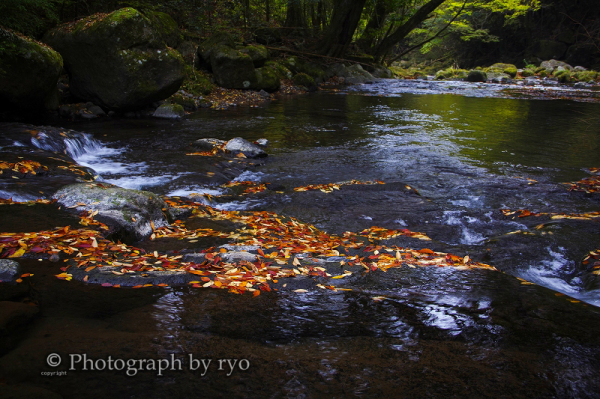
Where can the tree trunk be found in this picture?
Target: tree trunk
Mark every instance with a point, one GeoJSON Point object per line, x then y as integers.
{"type": "Point", "coordinates": [295, 15]}
{"type": "Point", "coordinates": [373, 26]}
{"type": "Point", "coordinates": [389, 42]}
{"type": "Point", "coordinates": [268, 10]}
{"type": "Point", "coordinates": [344, 21]}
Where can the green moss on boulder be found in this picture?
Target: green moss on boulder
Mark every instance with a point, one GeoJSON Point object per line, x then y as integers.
{"type": "Point", "coordinates": [302, 79]}
{"type": "Point", "coordinates": [259, 54]}
{"type": "Point", "coordinates": [29, 72]}
{"type": "Point", "coordinates": [509, 69]}
{"type": "Point", "coordinates": [119, 60]}
{"type": "Point", "coordinates": [267, 79]}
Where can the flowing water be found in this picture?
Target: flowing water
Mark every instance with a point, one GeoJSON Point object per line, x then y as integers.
{"type": "Point", "coordinates": [439, 332]}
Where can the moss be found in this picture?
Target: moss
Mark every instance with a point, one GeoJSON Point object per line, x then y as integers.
{"type": "Point", "coordinates": [527, 72]}
{"type": "Point", "coordinates": [509, 69]}
{"type": "Point", "coordinates": [563, 76]}
{"type": "Point", "coordinates": [197, 82]}
{"type": "Point", "coordinates": [282, 71]}
{"type": "Point", "coordinates": [585, 76]}
{"type": "Point", "coordinates": [452, 73]}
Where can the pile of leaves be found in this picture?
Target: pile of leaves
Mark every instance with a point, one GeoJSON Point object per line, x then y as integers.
{"type": "Point", "coordinates": [587, 185]}
{"type": "Point", "coordinates": [328, 188]}
{"type": "Point", "coordinates": [521, 213]}
{"type": "Point", "coordinates": [593, 261]}
{"type": "Point", "coordinates": [25, 167]}
{"type": "Point", "coordinates": [285, 248]}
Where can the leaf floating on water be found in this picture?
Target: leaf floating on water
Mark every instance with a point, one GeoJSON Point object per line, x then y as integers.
{"type": "Point", "coordinates": [378, 298]}
{"type": "Point", "coordinates": [301, 290]}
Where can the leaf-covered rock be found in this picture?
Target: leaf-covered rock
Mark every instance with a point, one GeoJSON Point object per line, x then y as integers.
{"type": "Point", "coordinates": [29, 72]}
{"type": "Point", "coordinates": [119, 60]}
{"type": "Point", "coordinates": [132, 215]}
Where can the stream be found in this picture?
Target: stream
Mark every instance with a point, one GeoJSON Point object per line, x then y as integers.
{"type": "Point", "coordinates": [468, 150]}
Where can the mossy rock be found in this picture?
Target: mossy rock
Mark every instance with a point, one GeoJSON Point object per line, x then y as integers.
{"type": "Point", "coordinates": [267, 79]}
{"type": "Point", "coordinates": [119, 60]}
{"type": "Point", "coordinates": [169, 111]}
{"type": "Point", "coordinates": [232, 69]}
{"type": "Point", "coordinates": [282, 71]}
{"type": "Point", "coordinates": [302, 79]}
{"type": "Point", "coordinates": [509, 69]}
{"type": "Point", "coordinates": [563, 76]}
{"type": "Point", "coordinates": [29, 72]}
{"type": "Point", "coordinates": [476, 76]}
{"type": "Point", "coordinates": [196, 82]}
{"type": "Point", "coordinates": [188, 103]}
{"type": "Point", "coordinates": [585, 76]}
{"type": "Point", "coordinates": [206, 48]}
{"type": "Point", "coordinates": [527, 72]}
{"type": "Point", "coordinates": [166, 27]}
{"type": "Point", "coordinates": [259, 54]}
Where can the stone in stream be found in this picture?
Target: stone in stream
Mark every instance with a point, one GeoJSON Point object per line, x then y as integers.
{"type": "Point", "coordinates": [169, 111]}
{"type": "Point", "coordinates": [9, 270]}
{"type": "Point", "coordinates": [29, 72]}
{"type": "Point", "coordinates": [476, 76]}
{"type": "Point", "coordinates": [120, 60]}
{"type": "Point", "coordinates": [250, 150]}
{"type": "Point", "coordinates": [129, 213]}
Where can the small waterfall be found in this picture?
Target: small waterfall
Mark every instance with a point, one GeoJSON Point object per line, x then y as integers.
{"type": "Point", "coordinates": [69, 142]}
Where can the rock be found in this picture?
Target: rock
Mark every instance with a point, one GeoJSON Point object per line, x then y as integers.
{"type": "Point", "coordinates": [187, 102]}
{"type": "Point", "coordinates": [96, 110]}
{"type": "Point", "coordinates": [531, 81]}
{"type": "Point", "coordinates": [119, 60]}
{"type": "Point", "coordinates": [166, 27]}
{"type": "Point", "coordinates": [29, 73]}
{"type": "Point", "coordinates": [129, 213]}
{"type": "Point", "coordinates": [188, 51]}
{"type": "Point", "coordinates": [205, 50]}
{"type": "Point", "coordinates": [264, 94]}
{"type": "Point", "coordinates": [579, 69]}
{"type": "Point", "coordinates": [14, 317]}
{"type": "Point", "coordinates": [266, 79]}
{"type": "Point", "coordinates": [382, 72]}
{"type": "Point", "coordinates": [355, 74]}
{"type": "Point", "coordinates": [258, 54]}
{"type": "Point", "coordinates": [169, 111]}
{"type": "Point", "coordinates": [238, 256]}
{"type": "Point", "coordinates": [250, 150]}
{"type": "Point", "coordinates": [551, 65]}
{"type": "Point", "coordinates": [563, 75]}
{"type": "Point", "coordinates": [208, 144]}
{"type": "Point", "coordinates": [302, 79]}
{"type": "Point", "coordinates": [9, 270]}
{"type": "Point", "coordinates": [232, 69]}
{"type": "Point", "coordinates": [509, 69]}
{"type": "Point", "coordinates": [498, 77]}
{"type": "Point", "coordinates": [262, 142]}
{"type": "Point", "coordinates": [476, 76]}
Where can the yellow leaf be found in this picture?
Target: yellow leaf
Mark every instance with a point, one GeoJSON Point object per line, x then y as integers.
{"type": "Point", "coordinates": [18, 253]}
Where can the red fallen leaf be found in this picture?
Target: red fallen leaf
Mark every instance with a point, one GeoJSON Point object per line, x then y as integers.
{"type": "Point", "coordinates": [205, 279]}
{"type": "Point", "coordinates": [162, 285]}
{"type": "Point", "coordinates": [107, 285]}
{"type": "Point", "coordinates": [525, 213]}
{"type": "Point", "coordinates": [197, 285]}
{"type": "Point", "coordinates": [374, 257]}
{"type": "Point", "coordinates": [137, 286]}
{"type": "Point", "coordinates": [425, 251]}
{"type": "Point", "coordinates": [36, 250]}
{"type": "Point", "coordinates": [256, 293]}
{"type": "Point", "coordinates": [373, 268]}
{"type": "Point", "coordinates": [260, 251]}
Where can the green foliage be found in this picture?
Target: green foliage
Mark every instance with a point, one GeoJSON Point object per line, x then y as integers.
{"type": "Point", "coordinates": [29, 17]}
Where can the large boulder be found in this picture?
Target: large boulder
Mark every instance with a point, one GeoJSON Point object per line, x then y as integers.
{"type": "Point", "coordinates": [232, 69]}
{"type": "Point", "coordinates": [355, 74]}
{"type": "Point", "coordinates": [267, 79]}
{"type": "Point", "coordinates": [9, 270]}
{"type": "Point", "coordinates": [120, 60]}
{"type": "Point", "coordinates": [205, 50]}
{"type": "Point", "coordinates": [476, 75]}
{"type": "Point", "coordinates": [130, 214]}
{"type": "Point", "coordinates": [552, 65]}
{"type": "Point", "coordinates": [259, 54]}
{"type": "Point", "coordinates": [29, 72]}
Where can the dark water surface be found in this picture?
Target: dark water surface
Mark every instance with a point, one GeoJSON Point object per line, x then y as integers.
{"type": "Point", "coordinates": [439, 332]}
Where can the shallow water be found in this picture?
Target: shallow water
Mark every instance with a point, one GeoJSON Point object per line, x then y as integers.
{"type": "Point", "coordinates": [439, 332]}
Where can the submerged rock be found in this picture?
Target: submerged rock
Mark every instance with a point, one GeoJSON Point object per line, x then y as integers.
{"type": "Point", "coordinates": [29, 72]}
{"type": "Point", "coordinates": [130, 214]}
{"type": "Point", "coordinates": [250, 150]}
{"type": "Point", "coordinates": [120, 60]}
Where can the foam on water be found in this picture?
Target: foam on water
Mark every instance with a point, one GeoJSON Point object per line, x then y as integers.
{"type": "Point", "coordinates": [468, 235]}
